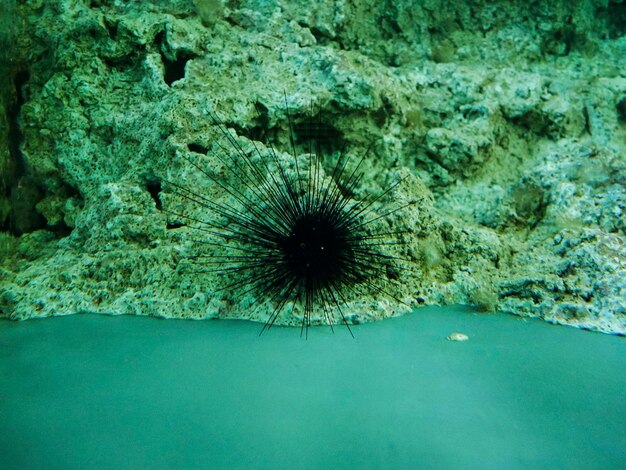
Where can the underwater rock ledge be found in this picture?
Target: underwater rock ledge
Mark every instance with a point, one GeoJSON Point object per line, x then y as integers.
{"type": "Point", "coordinates": [510, 120]}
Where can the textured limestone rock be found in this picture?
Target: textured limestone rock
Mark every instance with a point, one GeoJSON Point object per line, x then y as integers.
{"type": "Point", "coordinates": [507, 118]}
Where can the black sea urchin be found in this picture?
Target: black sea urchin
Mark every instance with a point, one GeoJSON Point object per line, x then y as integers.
{"type": "Point", "coordinates": [286, 230]}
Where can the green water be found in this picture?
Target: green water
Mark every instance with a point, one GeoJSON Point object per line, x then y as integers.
{"type": "Point", "coordinates": [129, 392]}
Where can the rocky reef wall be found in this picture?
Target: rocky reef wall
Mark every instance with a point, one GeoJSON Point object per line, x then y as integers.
{"type": "Point", "coordinates": [508, 116]}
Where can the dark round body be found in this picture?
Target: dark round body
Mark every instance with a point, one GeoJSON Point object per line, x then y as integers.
{"type": "Point", "coordinates": [317, 250]}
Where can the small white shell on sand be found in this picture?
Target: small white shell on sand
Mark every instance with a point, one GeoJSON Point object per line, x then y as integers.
{"type": "Point", "coordinates": [457, 337]}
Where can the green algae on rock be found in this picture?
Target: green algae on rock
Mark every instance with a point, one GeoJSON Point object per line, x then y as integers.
{"type": "Point", "coordinates": [507, 116]}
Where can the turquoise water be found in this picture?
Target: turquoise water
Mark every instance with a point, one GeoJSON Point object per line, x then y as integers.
{"type": "Point", "coordinates": [132, 392]}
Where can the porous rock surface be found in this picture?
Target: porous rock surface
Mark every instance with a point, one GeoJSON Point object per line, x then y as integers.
{"type": "Point", "coordinates": [508, 117]}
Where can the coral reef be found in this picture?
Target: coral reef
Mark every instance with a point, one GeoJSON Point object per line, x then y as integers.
{"type": "Point", "coordinates": [509, 117]}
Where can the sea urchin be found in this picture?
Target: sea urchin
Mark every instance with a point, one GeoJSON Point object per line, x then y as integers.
{"type": "Point", "coordinates": [287, 231]}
